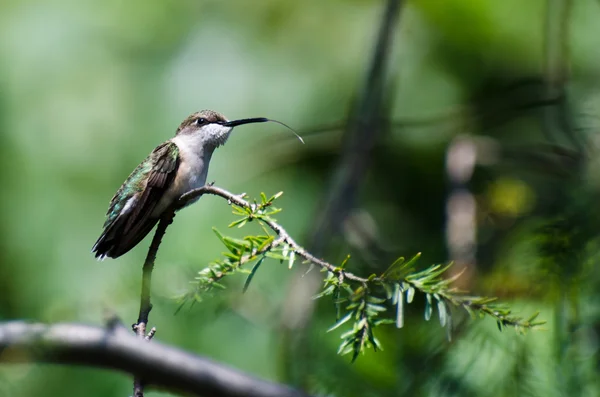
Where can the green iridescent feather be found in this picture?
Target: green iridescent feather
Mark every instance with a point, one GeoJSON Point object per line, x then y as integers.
{"type": "Point", "coordinates": [147, 183]}
{"type": "Point", "coordinates": [136, 181]}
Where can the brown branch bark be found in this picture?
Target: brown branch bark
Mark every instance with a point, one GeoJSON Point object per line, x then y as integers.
{"type": "Point", "coordinates": [114, 347]}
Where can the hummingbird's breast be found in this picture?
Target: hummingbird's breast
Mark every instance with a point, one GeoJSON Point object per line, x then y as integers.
{"type": "Point", "coordinates": [191, 174]}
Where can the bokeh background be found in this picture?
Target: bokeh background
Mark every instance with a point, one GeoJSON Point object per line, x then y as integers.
{"type": "Point", "coordinates": [480, 149]}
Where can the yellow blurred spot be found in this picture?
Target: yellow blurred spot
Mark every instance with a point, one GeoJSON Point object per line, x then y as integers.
{"type": "Point", "coordinates": [510, 197]}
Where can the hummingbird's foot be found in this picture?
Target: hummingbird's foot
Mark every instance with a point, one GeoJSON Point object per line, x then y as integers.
{"type": "Point", "coordinates": [151, 334]}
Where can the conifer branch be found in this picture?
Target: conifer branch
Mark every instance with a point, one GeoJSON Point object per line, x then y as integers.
{"type": "Point", "coordinates": [281, 232]}
{"type": "Point", "coordinates": [366, 298]}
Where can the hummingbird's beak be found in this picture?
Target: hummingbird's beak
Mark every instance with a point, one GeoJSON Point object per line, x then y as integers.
{"type": "Point", "coordinates": [234, 123]}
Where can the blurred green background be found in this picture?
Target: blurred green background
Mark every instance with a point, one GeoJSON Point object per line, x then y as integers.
{"type": "Point", "coordinates": [88, 89]}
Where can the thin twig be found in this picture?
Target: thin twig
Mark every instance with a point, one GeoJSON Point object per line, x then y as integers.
{"type": "Point", "coordinates": [145, 305]}
{"type": "Point", "coordinates": [281, 232]}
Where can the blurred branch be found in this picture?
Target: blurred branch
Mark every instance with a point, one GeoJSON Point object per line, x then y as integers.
{"type": "Point", "coordinates": [556, 68]}
{"type": "Point", "coordinates": [461, 205]}
{"type": "Point", "coordinates": [363, 129]}
{"type": "Point", "coordinates": [114, 347]}
{"type": "Point", "coordinates": [568, 318]}
{"type": "Point", "coordinates": [495, 116]}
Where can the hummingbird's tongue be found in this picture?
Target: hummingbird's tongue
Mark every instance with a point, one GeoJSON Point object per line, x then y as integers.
{"type": "Point", "coordinates": [234, 123]}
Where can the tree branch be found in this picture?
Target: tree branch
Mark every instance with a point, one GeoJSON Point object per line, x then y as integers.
{"type": "Point", "coordinates": [363, 129]}
{"type": "Point", "coordinates": [281, 232]}
{"type": "Point", "coordinates": [428, 282]}
{"type": "Point", "coordinates": [114, 347]}
{"type": "Point", "coordinates": [145, 305]}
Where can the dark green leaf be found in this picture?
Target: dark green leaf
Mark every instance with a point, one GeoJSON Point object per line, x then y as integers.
{"type": "Point", "coordinates": [374, 299]}
{"type": "Point", "coordinates": [328, 291]}
{"type": "Point", "coordinates": [265, 242]}
{"type": "Point", "coordinates": [240, 222]}
{"type": "Point", "coordinates": [252, 273]}
{"type": "Point", "coordinates": [340, 322]}
{"type": "Point", "coordinates": [410, 294]}
{"type": "Point", "coordinates": [428, 308]}
{"type": "Point", "coordinates": [399, 308]}
{"type": "Point", "coordinates": [275, 196]}
{"type": "Point", "coordinates": [441, 305]}
{"type": "Point", "coordinates": [397, 263]}
{"type": "Point", "coordinates": [449, 326]}
{"type": "Point", "coordinates": [337, 301]}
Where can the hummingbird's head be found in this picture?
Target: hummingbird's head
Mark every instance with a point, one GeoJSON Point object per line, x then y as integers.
{"type": "Point", "coordinates": [210, 129]}
{"type": "Point", "coordinates": [207, 126]}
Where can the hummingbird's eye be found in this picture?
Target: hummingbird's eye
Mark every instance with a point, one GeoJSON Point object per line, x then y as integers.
{"type": "Point", "coordinates": [201, 121]}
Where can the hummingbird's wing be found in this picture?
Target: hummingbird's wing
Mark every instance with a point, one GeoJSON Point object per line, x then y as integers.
{"type": "Point", "coordinates": [129, 217]}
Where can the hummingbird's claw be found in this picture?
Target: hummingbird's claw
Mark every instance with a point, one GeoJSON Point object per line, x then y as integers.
{"type": "Point", "coordinates": [151, 334]}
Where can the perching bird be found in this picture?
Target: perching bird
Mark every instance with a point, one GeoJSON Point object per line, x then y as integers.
{"type": "Point", "coordinates": [174, 168]}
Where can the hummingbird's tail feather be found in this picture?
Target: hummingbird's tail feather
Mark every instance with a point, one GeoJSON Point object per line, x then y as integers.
{"type": "Point", "coordinates": [108, 240]}
{"type": "Point", "coordinates": [116, 240]}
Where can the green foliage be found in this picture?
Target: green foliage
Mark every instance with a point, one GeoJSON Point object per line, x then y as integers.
{"type": "Point", "coordinates": [362, 301]}
{"type": "Point", "coordinates": [250, 249]}
{"type": "Point", "coordinates": [122, 73]}
{"type": "Point", "coordinates": [364, 310]}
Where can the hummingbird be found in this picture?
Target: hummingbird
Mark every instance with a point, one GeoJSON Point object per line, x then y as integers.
{"type": "Point", "coordinates": [174, 168]}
